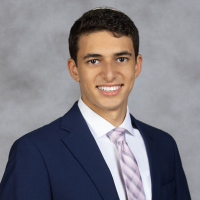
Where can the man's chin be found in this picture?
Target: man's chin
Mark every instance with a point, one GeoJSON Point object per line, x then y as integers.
{"type": "Point", "coordinates": [111, 106]}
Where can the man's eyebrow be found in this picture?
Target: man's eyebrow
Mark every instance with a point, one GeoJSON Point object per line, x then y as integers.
{"type": "Point", "coordinates": [92, 55]}
{"type": "Point", "coordinates": [122, 53]}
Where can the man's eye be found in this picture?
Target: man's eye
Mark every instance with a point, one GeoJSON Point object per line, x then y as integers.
{"type": "Point", "coordinates": [94, 61]}
{"type": "Point", "coordinates": [121, 59]}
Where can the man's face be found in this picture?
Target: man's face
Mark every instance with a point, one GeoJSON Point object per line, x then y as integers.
{"type": "Point", "coordinates": [106, 70]}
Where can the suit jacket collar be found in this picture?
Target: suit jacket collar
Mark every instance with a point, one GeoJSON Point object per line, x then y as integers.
{"type": "Point", "coordinates": [82, 145]}
{"type": "Point", "coordinates": [150, 144]}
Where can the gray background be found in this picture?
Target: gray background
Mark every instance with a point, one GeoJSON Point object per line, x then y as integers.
{"type": "Point", "coordinates": [36, 88]}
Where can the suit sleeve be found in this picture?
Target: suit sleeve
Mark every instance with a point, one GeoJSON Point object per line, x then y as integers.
{"type": "Point", "coordinates": [182, 190]}
{"type": "Point", "coordinates": [26, 176]}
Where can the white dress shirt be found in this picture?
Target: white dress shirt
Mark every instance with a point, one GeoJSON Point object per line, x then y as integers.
{"type": "Point", "coordinates": [99, 127]}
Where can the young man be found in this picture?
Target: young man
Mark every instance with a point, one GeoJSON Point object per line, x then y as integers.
{"type": "Point", "coordinates": [97, 150]}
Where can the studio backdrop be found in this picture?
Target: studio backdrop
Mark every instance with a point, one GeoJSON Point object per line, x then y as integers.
{"type": "Point", "coordinates": [36, 88]}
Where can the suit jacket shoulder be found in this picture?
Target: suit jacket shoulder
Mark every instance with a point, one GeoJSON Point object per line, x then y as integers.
{"type": "Point", "coordinates": [55, 161]}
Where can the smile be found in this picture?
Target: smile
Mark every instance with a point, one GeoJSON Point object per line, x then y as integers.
{"type": "Point", "coordinates": [109, 88]}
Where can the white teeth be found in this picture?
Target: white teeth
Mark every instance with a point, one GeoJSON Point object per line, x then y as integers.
{"type": "Point", "coordinates": [107, 89]}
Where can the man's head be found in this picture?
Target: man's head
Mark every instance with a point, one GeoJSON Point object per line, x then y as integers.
{"type": "Point", "coordinates": [100, 19]}
{"type": "Point", "coordinates": [104, 59]}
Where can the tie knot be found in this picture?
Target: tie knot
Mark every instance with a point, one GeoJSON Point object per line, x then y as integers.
{"type": "Point", "coordinates": [117, 135]}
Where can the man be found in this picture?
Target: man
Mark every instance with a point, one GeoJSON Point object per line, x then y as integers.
{"type": "Point", "coordinates": [97, 150]}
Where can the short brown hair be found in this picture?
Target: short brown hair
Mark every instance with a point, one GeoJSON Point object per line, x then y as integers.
{"type": "Point", "coordinates": [99, 19]}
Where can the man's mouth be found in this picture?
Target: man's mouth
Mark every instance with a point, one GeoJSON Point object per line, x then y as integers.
{"type": "Point", "coordinates": [109, 88]}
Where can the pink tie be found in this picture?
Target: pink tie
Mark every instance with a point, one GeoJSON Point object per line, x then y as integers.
{"type": "Point", "coordinates": [129, 166]}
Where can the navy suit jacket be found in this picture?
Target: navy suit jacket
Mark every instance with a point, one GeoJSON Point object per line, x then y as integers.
{"type": "Point", "coordinates": [61, 161]}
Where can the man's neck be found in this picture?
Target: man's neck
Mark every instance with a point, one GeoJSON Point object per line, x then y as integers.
{"type": "Point", "coordinates": [114, 116]}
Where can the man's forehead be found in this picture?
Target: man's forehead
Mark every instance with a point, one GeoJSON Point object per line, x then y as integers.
{"type": "Point", "coordinates": [102, 35]}
{"type": "Point", "coordinates": [104, 45]}
{"type": "Point", "coordinates": [96, 33]}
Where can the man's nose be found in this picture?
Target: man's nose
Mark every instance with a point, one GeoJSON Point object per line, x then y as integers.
{"type": "Point", "coordinates": [109, 72]}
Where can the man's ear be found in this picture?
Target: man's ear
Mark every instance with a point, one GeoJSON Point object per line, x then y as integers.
{"type": "Point", "coordinates": [73, 69]}
{"type": "Point", "coordinates": [138, 65]}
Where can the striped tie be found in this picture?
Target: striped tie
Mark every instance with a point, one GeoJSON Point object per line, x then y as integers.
{"type": "Point", "coordinates": [129, 166]}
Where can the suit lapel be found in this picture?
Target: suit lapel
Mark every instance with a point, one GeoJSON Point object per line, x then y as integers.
{"type": "Point", "coordinates": [82, 145]}
{"type": "Point", "coordinates": [151, 153]}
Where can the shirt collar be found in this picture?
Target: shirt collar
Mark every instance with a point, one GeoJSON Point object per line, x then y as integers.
{"type": "Point", "coordinates": [98, 125]}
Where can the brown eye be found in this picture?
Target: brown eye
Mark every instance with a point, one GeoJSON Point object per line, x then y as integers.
{"type": "Point", "coordinates": [121, 59]}
{"type": "Point", "coordinates": [94, 61]}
